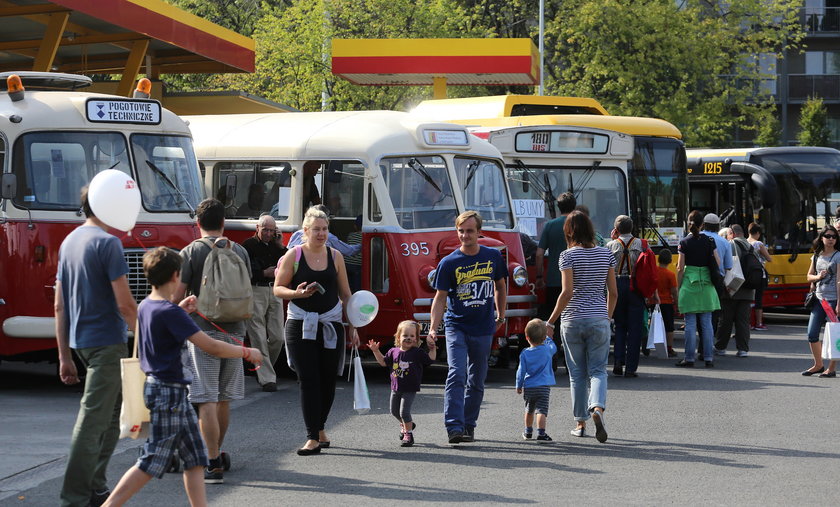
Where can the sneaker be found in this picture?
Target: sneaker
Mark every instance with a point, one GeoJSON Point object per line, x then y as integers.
{"type": "Point", "coordinates": [741, 353]}
{"type": "Point", "coordinates": [213, 476]}
{"type": "Point", "coordinates": [710, 364]}
{"type": "Point", "coordinates": [544, 437]}
{"type": "Point", "coordinates": [618, 370]}
{"type": "Point", "coordinates": [408, 440]}
{"type": "Point", "coordinates": [402, 434]}
{"type": "Point", "coordinates": [578, 432]}
{"type": "Point", "coordinates": [97, 498]}
{"type": "Point", "coordinates": [469, 435]}
{"type": "Point", "coordinates": [600, 425]}
{"type": "Point", "coordinates": [269, 387]}
{"type": "Point", "coordinates": [760, 327]}
{"type": "Point", "coordinates": [456, 437]}
{"type": "Point", "coordinates": [526, 435]}
{"type": "Point", "coordinates": [719, 352]}
{"type": "Point", "coordinates": [672, 352]}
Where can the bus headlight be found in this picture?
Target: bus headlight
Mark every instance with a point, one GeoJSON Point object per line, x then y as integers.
{"type": "Point", "coordinates": [520, 276]}
{"type": "Point", "coordinates": [430, 278]}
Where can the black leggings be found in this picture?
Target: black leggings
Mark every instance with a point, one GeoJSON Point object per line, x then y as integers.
{"type": "Point", "coordinates": [401, 405]}
{"type": "Point", "coordinates": [317, 370]}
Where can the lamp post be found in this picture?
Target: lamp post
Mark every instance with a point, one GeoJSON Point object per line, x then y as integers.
{"type": "Point", "coordinates": [542, 43]}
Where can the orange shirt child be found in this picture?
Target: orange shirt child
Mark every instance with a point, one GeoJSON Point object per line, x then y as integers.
{"type": "Point", "coordinates": [667, 282]}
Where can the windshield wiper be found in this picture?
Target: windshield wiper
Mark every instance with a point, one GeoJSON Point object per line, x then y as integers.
{"type": "Point", "coordinates": [584, 179]}
{"type": "Point", "coordinates": [178, 192]}
{"type": "Point", "coordinates": [471, 169]}
{"type": "Point", "coordinates": [422, 172]}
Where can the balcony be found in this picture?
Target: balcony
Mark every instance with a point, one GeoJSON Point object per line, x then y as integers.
{"type": "Point", "coordinates": [820, 20]}
{"type": "Point", "coordinates": [802, 86]}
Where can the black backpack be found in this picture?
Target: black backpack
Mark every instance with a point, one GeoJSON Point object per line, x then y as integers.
{"type": "Point", "coordinates": [753, 270]}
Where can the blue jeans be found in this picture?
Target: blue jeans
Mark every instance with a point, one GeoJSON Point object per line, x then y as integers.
{"type": "Point", "coordinates": [587, 348]}
{"type": "Point", "coordinates": [816, 321]}
{"type": "Point", "coordinates": [706, 334]}
{"type": "Point", "coordinates": [467, 356]}
{"type": "Point", "coordinates": [629, 323]}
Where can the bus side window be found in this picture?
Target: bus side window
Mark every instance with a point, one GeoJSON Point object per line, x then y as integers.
{"type": "Point", "coordinates": [379, 280]}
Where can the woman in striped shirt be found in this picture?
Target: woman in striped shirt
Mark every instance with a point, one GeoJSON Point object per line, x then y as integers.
{"type": "Point", "coordinates": [585, 307]}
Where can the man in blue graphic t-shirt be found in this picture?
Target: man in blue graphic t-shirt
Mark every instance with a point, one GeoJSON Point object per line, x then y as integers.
{"type": "Point", "coordinates": [471, 286]}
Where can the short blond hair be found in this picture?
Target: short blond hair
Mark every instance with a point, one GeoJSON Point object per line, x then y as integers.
{"type": "Point", "coordinates": [313, 214]}
{"type": "Point", "coordinates": [536, 331]}
{"type": "Point", "coordinates": [402, 325]}
{"type": "Point", "coordinates": [463, 217]}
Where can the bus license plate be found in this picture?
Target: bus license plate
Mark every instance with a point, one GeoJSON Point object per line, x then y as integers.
{"type": "Point", "coordinates": [424, 329]}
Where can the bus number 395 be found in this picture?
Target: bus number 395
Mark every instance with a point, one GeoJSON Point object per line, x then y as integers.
{"type": "Point", "coordinates": [415, 248]}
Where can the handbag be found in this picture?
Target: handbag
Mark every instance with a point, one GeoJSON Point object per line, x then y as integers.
{"type": "Point", "coordinates": [734, 277]}
{"type": "Point", "coordinates": [134, 415]}
{"type": "Point", "coordinates": [831, 341]}
{"type": "Point", "coordinates": [361, 395]}
{"type": "Point", "coordinates": [811, 296]}
{"type": "Point", "coordinates": [714, 270]}
{"type": "Point", "coordinates": [656, 334]}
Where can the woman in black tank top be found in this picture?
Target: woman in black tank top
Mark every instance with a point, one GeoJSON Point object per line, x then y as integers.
{"type": "Point", "coordinates": [314, 280]}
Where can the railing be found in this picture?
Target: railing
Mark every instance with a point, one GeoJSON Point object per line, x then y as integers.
{"type": "Point", "coordinates": [825, 86]}
{"type": "Point", "coordinates": [820, 20]}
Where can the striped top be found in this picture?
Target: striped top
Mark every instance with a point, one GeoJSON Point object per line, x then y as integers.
{"type": "Point", "coordinates": [589, 270]}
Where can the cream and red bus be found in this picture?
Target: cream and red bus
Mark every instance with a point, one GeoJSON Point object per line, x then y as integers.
{"type": "Point", "coordinates": [791, 192]}
{"type": "Point", "coordinates": [53, 140]}
{"type": "Point", "coordinates": [405, 179]}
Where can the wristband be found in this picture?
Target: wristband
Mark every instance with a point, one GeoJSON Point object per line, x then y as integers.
{"type": "Point", "coordinates": [547, 323]}
{"type": "Point", "coordinates": [500, 320]}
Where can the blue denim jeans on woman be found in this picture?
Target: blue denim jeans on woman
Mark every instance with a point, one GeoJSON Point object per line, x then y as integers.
{"type": "Point", "coordinates": [817, 320]}
{"type": "Point", "coordinates": [587, 348]}
{"type": "Point", "coordinates": [706, 333]}
{"type": "Point", "coordinates": [467, 356]}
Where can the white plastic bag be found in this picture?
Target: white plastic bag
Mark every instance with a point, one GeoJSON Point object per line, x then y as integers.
{"type": "Point", "coordinates": [656, 334]}
{"type": "Point", "coordinates": [734, 277]}
{"type": "Point", "coordinates": [134, 416]}
{"type": "Point", "coordinates": [831, 341]}
{"type": "Point", "coordinates": [361, 396]}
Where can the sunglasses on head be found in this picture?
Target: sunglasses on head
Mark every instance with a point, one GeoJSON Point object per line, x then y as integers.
{"type": "Point", "coordinates": [830, 236]}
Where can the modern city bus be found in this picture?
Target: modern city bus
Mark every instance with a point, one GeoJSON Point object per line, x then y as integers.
{"type": "Point", "coordinates": [52, 143]}
{"type": "Point", "coordinates": [406, 180]}
{"type": "Point", "coordinates": [656, 178]}
{"type": "Point", "coordinates": [791, 192]}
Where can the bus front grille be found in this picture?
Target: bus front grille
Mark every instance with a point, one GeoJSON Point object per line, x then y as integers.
{"type": "Point", "coordinates": [140, 287]}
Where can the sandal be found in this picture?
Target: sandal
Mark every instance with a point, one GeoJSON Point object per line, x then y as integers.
{"type": "Point", "coordinates": [828, 374]}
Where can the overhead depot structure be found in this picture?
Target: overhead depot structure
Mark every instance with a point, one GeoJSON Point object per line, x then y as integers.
{"type": "Point", "coordinates": [124, 37]}
{"type": "Point", "coordinates": [436, 62]}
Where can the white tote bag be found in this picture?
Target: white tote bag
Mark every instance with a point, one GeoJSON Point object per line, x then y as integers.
{"type": "Point", "coordinates": [361, 396]}
{"type": "Point", "coordinates": [734, 277]}
{"type": "Point", "coordinates": [134, 416]}
{"type": "Point", "coordinates": [656, 333]}
{"type": "Point", "coordinates": [831, 341]}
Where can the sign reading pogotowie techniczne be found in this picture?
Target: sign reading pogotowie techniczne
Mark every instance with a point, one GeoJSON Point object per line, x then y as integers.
{"type": "Point", "coordinates": [137, 111]}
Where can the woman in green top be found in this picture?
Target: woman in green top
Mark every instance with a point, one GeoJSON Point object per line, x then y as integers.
{"type": "Point", "coordinates": [698, 297]}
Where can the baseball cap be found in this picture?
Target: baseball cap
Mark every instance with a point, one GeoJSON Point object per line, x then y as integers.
{"type": "Point", "coordinates": [711, 218]}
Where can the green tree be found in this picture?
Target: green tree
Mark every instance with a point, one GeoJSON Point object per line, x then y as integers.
{"type": "Point", "coordinates": [681, 61]}
{"type": "Point", "coordinates": [813, 124]}
{"type": "Point", "coordinates": [768, 128]}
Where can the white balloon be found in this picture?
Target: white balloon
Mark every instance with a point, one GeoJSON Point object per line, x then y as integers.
{"type": "Point", "coordinates": [115, 199]}
{"type": "Point", "coordinates": [362, 308]}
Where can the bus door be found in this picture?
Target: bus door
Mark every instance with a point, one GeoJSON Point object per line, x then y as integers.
{"type": "Point", "coordinates": [724, 197]}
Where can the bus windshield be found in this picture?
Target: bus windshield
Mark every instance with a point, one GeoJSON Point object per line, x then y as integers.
{"type": "Point", "coordinates": [659, 187]}
{"type": "Point", "coordinates": [52, 167]}
{"type": "Point", "coordinates": [808, 193]}
{"type": "Point", "coordinates": [483, 182]}
{"type": "Point", "coordinates": [535, 189]}
{"type": "Point", "coordinates": [167, 172]}
{"type": "Point", "coordinates": [420, 191]}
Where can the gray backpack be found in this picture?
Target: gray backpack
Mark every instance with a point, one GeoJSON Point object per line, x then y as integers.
{"type": "Point", "coordinates": [226, 294]}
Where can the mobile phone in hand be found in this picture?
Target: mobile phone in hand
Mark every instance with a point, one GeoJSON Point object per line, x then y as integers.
{"type": "Point", "coordinates": [318, 287]}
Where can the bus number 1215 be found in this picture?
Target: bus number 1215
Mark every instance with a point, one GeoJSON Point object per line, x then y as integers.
{"type": "Point", "coordinates": [712, 167]}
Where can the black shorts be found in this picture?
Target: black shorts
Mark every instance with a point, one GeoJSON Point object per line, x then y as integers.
{"type": "Point", "coordinates": [667, 310]}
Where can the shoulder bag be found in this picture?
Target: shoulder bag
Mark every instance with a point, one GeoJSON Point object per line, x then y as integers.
{"type": "Point", "coordinates": [811, 296]}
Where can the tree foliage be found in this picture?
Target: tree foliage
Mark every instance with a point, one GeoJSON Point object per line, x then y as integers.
{"type": "Point", "coordinates": [813, 124]}
{"type": "Point", "coordinates": [768, 128]}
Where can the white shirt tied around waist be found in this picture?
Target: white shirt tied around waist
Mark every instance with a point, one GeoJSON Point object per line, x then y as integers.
{"type": "Point", "coordinates": [310, 328]}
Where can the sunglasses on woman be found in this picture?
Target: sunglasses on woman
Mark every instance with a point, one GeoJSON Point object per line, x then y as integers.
{"type": "Point", "coordinates": [829, 236]}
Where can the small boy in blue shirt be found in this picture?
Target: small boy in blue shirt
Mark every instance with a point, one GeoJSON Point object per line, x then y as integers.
{"type": "Point", "coordinates": [535, 376]}
{"type": "Point", "coordinates": [164, 330]}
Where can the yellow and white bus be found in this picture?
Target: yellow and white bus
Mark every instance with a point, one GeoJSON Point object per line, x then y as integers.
{"type": "Point", "coordinates": [791, 192]}
{"type": "Point", "coordinates": [656, 183]}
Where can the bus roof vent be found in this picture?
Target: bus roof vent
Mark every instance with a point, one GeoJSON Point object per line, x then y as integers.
{"type": "Point", "coordinates": [49, 80]}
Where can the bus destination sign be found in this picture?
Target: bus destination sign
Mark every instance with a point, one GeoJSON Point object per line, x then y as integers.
{"type": "Point", "coordinates": [564, 141]}
{"type": "Point", "coordinates": [136, 111]}
{"type": "Point", "coordinates": [446, 137]}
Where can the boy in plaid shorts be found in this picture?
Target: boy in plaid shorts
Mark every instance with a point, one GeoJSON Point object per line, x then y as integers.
{"type": "Point", "coordinates": [164, 330]}
{"type": "Point", "coordinates": [535, 376]}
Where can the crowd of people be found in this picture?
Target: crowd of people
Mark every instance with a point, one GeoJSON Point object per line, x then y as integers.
{"type": "Point", "coordinates": [191, 361]}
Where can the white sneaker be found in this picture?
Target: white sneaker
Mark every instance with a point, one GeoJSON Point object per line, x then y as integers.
{"type": "Point", "coordinates": [578, 432]}
{"type": "Point", "coordinates": [741, 353]}
{"type": "Point", "coordinates": [719, 352]}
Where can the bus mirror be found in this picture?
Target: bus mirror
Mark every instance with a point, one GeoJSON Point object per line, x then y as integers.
{"type": "Point", "coordinates": [230, 187]}
{"type": "Point", "coordinates": [763, 180]}
{"type": "Point", "coordinates": [334, 172]}
{"type": "Point", "coordinates": [9, 186]}
{"type": "Point", "coordinates": [526, 186]}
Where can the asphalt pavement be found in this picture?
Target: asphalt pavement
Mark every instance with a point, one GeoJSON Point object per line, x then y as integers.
{"type": "Point", "coordinates": [750, 431]}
